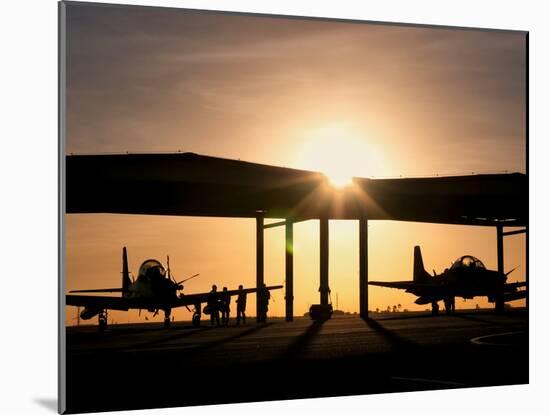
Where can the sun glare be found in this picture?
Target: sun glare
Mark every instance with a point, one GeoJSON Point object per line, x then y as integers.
{"type": "Point", "coordinates": [340, 153]}
{"type": "Point", "coordinates": [339, 178]}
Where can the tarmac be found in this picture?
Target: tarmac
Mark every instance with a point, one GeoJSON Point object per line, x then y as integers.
{"type": "Point", "coordinates": [146, 366]}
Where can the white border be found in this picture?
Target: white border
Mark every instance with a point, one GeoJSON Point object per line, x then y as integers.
{"type": "Point", "coordinates": [28, 231]}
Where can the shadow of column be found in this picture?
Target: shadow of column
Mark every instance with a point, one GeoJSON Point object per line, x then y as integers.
{"type": "Point", "coordinates": [229, 339]}
{"type": "Point", "coordinates": [298, 346]}
{"type": "Point", "coordinates": [397, 342]}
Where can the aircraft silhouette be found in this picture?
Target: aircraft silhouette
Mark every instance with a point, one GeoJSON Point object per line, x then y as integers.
{"type": "Point", "coordinates": [154, 289]}
{"type": "Point", "coordinates": [467, 278]}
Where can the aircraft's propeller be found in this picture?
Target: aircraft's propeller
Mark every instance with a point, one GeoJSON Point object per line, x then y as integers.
{"type": "Point", "coordinates": [512, 270]}
{"type": "Point", "coordinates": [187, 279]}
{"type": "Point", "coordinates": [178, 285]}
{"type": "Point", "coordinates": [170, 276]}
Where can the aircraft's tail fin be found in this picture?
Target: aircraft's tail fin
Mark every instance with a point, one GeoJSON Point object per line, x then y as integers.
{"type": "Point", "coordinates": [419, 273]}
{"type": "Point", "coordinates": [125, 273]}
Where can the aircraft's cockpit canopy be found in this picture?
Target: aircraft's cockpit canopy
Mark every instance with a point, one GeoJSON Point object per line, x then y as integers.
{"type": "Point", "coordinates": [468, 261]}
{"type": "Point", "coordinates": [152, 269]}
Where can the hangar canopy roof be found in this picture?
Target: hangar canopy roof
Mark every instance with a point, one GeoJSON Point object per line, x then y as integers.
{"type": "Point", "coordinates": [188, 184]}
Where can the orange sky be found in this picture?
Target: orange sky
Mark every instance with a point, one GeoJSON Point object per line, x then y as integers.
{"type": "Point", "coordinates": [345, 99]}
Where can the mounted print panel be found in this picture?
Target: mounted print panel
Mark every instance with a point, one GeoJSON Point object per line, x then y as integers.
{"type": "Point", "coordinates": [262, 207]}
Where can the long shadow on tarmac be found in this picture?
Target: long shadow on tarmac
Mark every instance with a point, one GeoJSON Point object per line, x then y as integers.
{"type": "Point", "coordinates": [407, 317]}
{"type": "Point", "coordinates": [153, 342]}
{"type": "Point", "coordinates": [298, 346]}
{"type": "Point", "coordinates": [397, 342]}
{"type": "Point", "coordinates": [108, 382]}
{"type": "Point", "coordinates": [200, 348]}
{"type": "Point", "coordinates": [162, 340]}
{"type": "Point", "coordinates": [242, 334]}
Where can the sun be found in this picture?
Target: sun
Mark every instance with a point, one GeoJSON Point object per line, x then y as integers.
{"type": "Point", "coordinates": [340, 153]}
{"type": "Point", "coordinates": [338, 175]}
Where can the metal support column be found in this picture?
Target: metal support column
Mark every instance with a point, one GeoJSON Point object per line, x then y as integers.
{"type": "Point", "coordinates": [499, 300]}
{"type": "Point", "coordinates": [323, 254]}
{"type": "Point", "coordinates": [500, 248]}
{"type": "Point", "coordinates": [289, 270]}
{"type": "Point", "coordinates": [363, 268]}
{"type": "Point", "coordinates": [259, 260]}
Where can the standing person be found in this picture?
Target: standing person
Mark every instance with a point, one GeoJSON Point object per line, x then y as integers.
{"type": "Point", "coordinates": [225, 306]}
{"type": "Point", "coordinates": [241, 306]}
{"type": "Point", "coordinates": [263, 298]}
{"type": "Point", "coordinates": [212, 302]}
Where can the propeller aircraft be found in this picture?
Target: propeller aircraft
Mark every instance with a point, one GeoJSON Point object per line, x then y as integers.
{"type": "Point", "coordinates": [467, 278]}
{"type": "Point", "coordinates": [154, 289]}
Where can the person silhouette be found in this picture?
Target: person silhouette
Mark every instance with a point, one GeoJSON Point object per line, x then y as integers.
{"type": "Point", "coordinates": [225, 306]}
{"type": "Point", "coordinates": [263, 298]}
{"type": "Point", "coordinates": [241, 306]}
{"type": "Point", "coordinates": [212, 302]}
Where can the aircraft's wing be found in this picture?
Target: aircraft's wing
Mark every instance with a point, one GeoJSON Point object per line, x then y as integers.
{"type": "Point", "coordinates": [119, 303]}
{"type": "Point", "coordinates": [518, 295]}
{"type": "Point", "coordinates": [191, 299]}
{"type": "Point", "coordinates": [100, 302]}
{"type": "Point", "coordinates": [516, 284]}
{"type": "Point", "coordinates": [512, 293]}
{"type": "Point", "coordinates": [99, 290]}
{"type": "Point", "coordinates": [402, 285]}
{"type": "Point", "coordinates": [418, 289]}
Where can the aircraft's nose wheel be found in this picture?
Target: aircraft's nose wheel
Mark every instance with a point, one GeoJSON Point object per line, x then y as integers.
{"type": "Point", "coordinates": [449, 305]}
{"type": "Point", "coordinates": [196, 319]}
{"type": "Point", "coordinates": [167, 318]}
{"type": "Point", "coordinates": [102, 321]}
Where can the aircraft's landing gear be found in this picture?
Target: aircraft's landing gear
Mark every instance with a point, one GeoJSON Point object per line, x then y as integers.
{"type": "Point", "coordinates": [498, 299]}
{"type": "Point", "coordinates": [196, 319]}
{"type": "Point", "coordinates": [102, 320]}
{"type": "Point", "coordinates": [435, 308]}
{"type": "Point", "coordinates": [167, 313]}
{"type": "Point", "coordinates": [449, 305]}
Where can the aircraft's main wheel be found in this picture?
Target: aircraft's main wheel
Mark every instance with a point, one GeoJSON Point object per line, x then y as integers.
{"type": "Point", "coordinates": [435, 309]}
{"type": "Point", "coordinates": [196, 320]}
{"type": "Point", "coordinates": [499, 302]}
{"type": "Point", "coordinates": [102, 321]}
{"type": "Point", "coordinates": [166, 323]}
